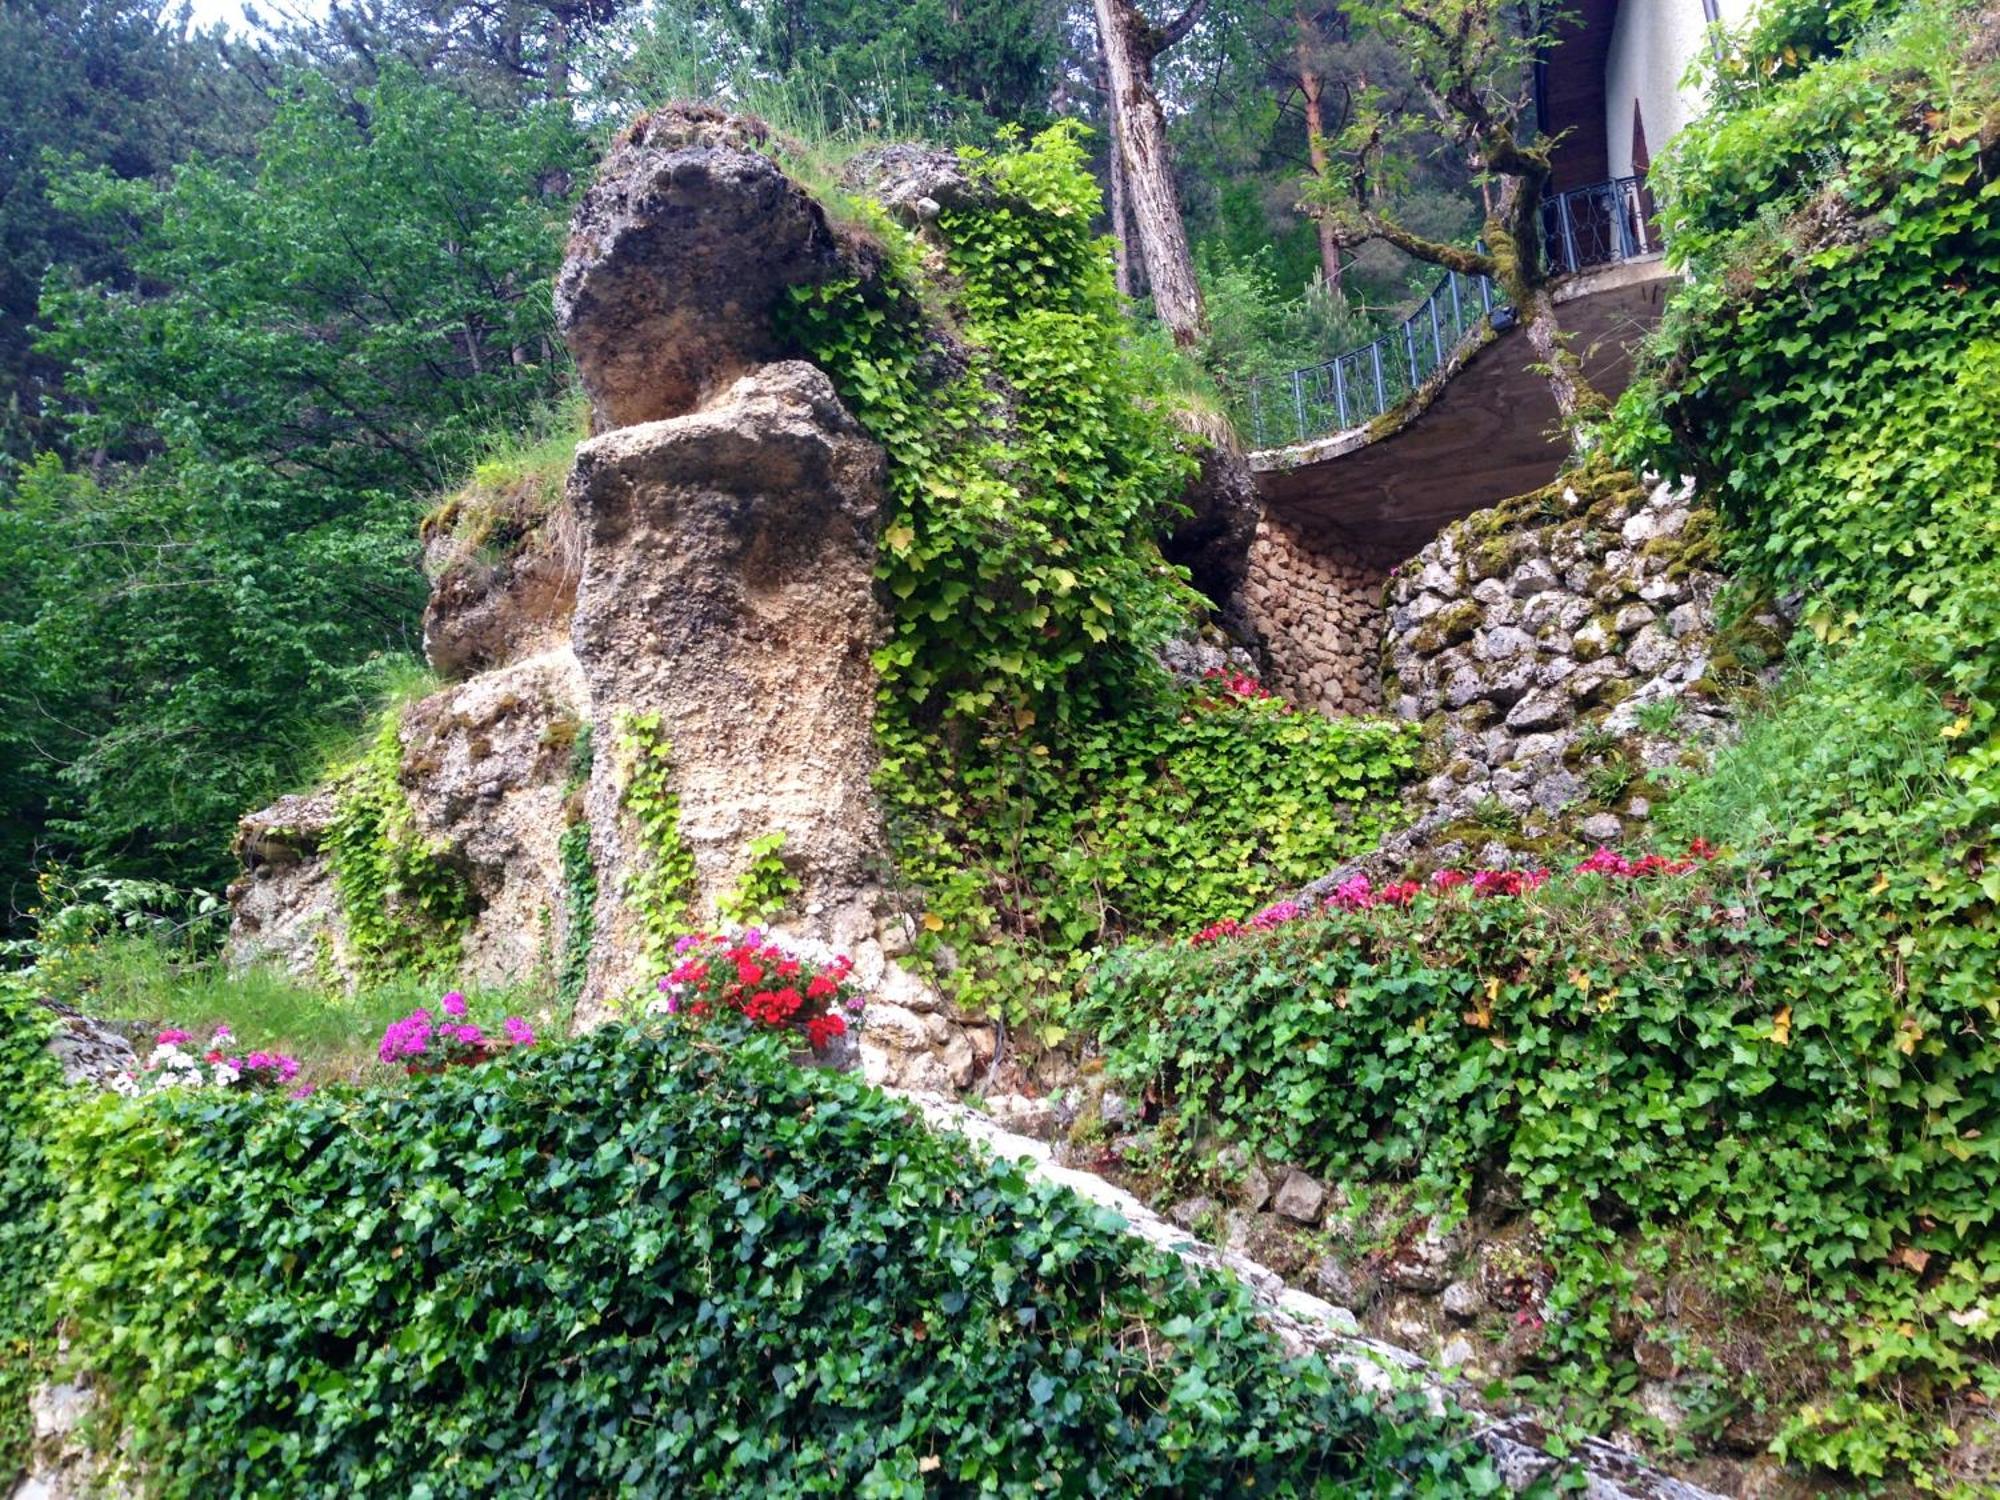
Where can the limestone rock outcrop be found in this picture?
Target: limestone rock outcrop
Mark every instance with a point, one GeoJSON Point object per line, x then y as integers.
{"type": "Point", "coordinates": [729, 560]}
{"type": "Point", "coordinates": [678, 256]}
{"type": "Point", "coordinates": [483, 766]}
{"type": "Point", "coordinates": [712, 562]}
{"type": "Point", "coordinates": [496, 598]}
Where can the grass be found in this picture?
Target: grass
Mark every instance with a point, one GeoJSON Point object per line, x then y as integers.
{"type": "Point", "coordinates": [135, 977]}
{"type": "Point", "coordinates": [1842, 718]}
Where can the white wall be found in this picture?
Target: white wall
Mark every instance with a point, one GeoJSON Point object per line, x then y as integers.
{"type": "Point", "coordinates": [1652, 43]}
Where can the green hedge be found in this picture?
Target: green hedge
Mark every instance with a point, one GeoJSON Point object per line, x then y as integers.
{"type": "Point", "coordinates": [646, 1263]}
{"type": "Point", "coordinates": [29, 1081]}
{"type": "Point", "coordinates": [1718, 1075]}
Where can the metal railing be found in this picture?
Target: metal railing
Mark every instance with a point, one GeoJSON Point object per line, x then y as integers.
{"type": "Point", "coordinates": [1601, 225]}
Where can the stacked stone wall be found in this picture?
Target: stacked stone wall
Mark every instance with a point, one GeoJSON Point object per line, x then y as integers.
{"type": "Point", "coordinates": [1315, 595]}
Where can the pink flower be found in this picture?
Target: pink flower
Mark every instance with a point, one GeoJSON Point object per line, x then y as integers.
{"type": "Point", "coordinates": [1352, 894]}
{"type": "Point", "coordinates": [173, 1036]}
{"type": "Point", "coordinates": [1444, 880]}
{"type": "Point", "coordinates": [519, 1032]}
{"type": "Point", "coordinates": [454, 1004]}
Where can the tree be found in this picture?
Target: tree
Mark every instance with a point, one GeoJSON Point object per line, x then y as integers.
{"type": "Point", "coordinates": [1131, 45]}
{"type": "Point", "coordinates": [311, 347]}
{"type": "Point", "coordinates": [1471, 60]}
{"type": "Point", "coordinates": [125, 86]}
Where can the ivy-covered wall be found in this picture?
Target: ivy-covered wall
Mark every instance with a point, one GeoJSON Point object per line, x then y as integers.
{"type": "Point", "coordinates": [1050, 787]}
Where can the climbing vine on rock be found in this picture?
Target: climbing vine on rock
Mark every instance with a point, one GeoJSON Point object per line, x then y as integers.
{"type": "Point", "coordinates": [579, 874]}
{"type": "Point", "coordinates": [765, 887]}
{"type": "Point", "coordinates": [405, 904]}
{"type": "Point", "coordinates": [660, 888]}
{"type": "Point", "coordinates": [1049, 786]}
{"type": "Point", "coordinates": [29, 1081]}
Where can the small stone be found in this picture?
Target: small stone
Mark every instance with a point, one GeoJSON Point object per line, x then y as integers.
{"type": "Point", "coordinates": [1015, 1112]}
{"type": "Point", "coordinates": [1463, 1301]}
{"type": "Point", "coordinates": [1533, 577]}
{"type": "Point", "coordinates": [1422, 1264]}
{"type": "Point", "coordinates": [1503, 643]}
{"type": "Point", "coordinates": [1458, 1353]}
{"type": "Point", "coordinates": [1249, 1184]}
{"type": "Point", "coordinates": [1631, 619]}
{"type": "Point", "coordinates": [1113, 1108]}
{"type": "Point", "coordinates": [1555, 791]}
{"type": "Point", "coordinates": [1190, 1212]}
{"type": "Point", "coordinates": [959, 1060]}
{"type": "Point", "coordinates": [1654, 1359]}
{"type": "Point", "coordinates": [1659, 1401]}
{"type": "Point", "coordinates": [1300, 1198]}
{"type": "Point", "coordinates": [1542, 710]}
{"type": "Point", "coordinates": [1650, 651]}
{"type": "Point", "coordinates": [1602, 828]}
{"type": "Point", "coordinates": [1347, 1286]}
{"type": "Point", "coordinates": [1684, 620]}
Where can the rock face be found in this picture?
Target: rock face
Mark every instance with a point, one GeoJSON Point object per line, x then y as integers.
{"type": "Point", "coordinates": [729, 559]}
{"type": "Point", "coordinates": [678, 256]}
{"type": "Point", "coordinates": [501, 599]}
{"type": "Point", "coordinates": [483, 765]}
{"type": "Point", "coordinates": [712, 562]}
{"type": "Point", "coordinates": [1214, 539]}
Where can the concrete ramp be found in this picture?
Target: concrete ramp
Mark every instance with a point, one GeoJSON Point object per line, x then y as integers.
{"type": "Point", "coordinates": [1481, 428]}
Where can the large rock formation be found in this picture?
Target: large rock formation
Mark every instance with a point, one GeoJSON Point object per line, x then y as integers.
{"type": "Point", "coordinates": [729, 560]}
{"type": "Point", "coordinates": [712, 563]}
{"type": "Point", "coordinates": [678, 256]}
{"type": "Point", "coordinates": [483, 766]}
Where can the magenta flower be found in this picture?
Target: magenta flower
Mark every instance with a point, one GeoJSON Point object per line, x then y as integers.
{"type": "Point", "coordinates": [519, 1032]}
{"type": "Point", "coordinates": [454, 1004]}
{"type": "Point", "coordinates": [173, 1036]}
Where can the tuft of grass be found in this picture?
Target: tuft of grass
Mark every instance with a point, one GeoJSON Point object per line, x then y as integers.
{"type": "Point", "coordinates": [515, 483]}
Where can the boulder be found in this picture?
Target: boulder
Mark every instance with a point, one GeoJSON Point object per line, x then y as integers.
{"type": "Point", "coordinates": [679, 255]}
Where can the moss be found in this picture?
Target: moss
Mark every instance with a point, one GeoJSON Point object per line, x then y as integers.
{"type": "Point", "coordinates": [1612, 692]}
{"type": "Point", "coordinates": [1490, 558]}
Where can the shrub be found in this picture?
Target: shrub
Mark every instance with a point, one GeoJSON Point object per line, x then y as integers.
{"type": "Point", "coordinates": [1049, 787]}
{"type": "Point", "coordinates": [1772, 1070]}
{"type": "Point", "coordinates": [29, 1081]}
{"type": "Point", "coordinates": [653, 1262]}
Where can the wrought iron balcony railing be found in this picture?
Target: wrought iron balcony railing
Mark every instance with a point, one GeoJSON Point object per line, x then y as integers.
{"type": "Point", "coordinates": [1601, 225]}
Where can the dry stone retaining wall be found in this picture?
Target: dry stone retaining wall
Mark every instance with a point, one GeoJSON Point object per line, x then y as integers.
{"type": "Point", "coordinates": [1562, 654]}
{"type": "Point", "coordinates": [1314, 593]}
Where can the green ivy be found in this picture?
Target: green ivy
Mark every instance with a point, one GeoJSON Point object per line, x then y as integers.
{"type": "Point", "coordinates": [405, 904]}
{"type": "Point", "coordinates": [648, 1262]}
{"type": "Point", "coordinates": [579, 874]}
{"type": "Point", "coordinates": [1049, 787]}
{"type": "Point", "coordinates": [660, 888]}
{"type": "Point", "coordinates": [30, 1080]}
{"type": "Point", "coordinates": [765, 887]}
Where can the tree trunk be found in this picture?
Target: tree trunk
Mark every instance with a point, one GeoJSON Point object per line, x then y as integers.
{"type": "Point", "coordinates": [1312, 85]}
{"type": "Point", "coordinates": [1121, 249]}
{"type": "Point", "coordinates": [1130, 44]}
{"type": "Point", "coordinates": [1513, 236]}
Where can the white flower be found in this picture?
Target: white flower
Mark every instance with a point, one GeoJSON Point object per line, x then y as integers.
{"type": "Point", "coordinates": [126, 1084]}
{"type": "Point", "coordinates": [225, 1075]}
